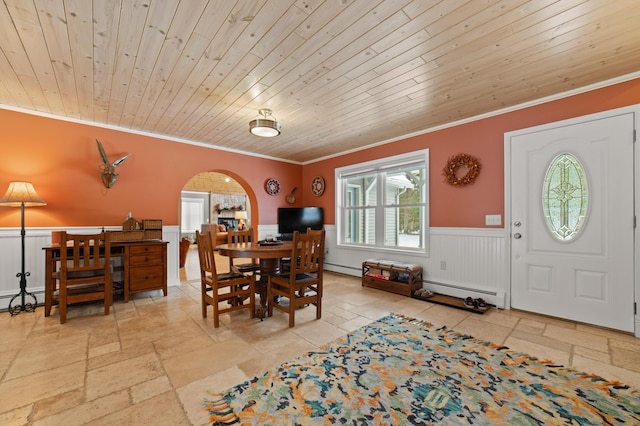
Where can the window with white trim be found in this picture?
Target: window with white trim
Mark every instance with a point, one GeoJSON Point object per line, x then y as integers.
{"type": "Point", "coordinates": [384, 203]}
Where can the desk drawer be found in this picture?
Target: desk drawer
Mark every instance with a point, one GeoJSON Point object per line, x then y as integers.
{"type": "Point", "coordinates": [144, 259]}
{"type": "Point", "coordinates": [147, 249]}
{"type": "Point", "coordinates": [146, 278]}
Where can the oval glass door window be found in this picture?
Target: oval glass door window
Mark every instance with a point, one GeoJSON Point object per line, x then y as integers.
{"type": "Point", "coordinates": [565, 197]}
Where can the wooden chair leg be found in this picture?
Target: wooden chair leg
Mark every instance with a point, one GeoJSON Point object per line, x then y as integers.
{"type": "Point", "coordinates": [62, 305]}
{"type": "Point", "coordinates": [48, 303]}
{"type": "Point", "coordinates": [203, 294]}
{"type": "Point", "coordinates": [292, 306]}
{"type": "Point", "coordinates": [216, 314]}
{"type": "Point", "coordinates": [269, 299]}
{"type": "Point", "coordinates": [252, 301]}
{"type": "Point", "coordinates": [108, 296]}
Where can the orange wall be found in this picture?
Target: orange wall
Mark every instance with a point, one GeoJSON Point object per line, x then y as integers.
{"type": "Point", "coordinates": [484, 139]}
{"type": "Point", "coordinates": [62, 160]}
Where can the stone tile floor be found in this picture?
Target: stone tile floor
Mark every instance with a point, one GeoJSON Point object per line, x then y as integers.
{"type": "Point", "coordinates": [151, 360]}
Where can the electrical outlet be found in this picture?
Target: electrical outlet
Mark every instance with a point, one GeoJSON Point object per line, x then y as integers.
{"type": "Point", "coordinates": [493, 220]}
{"type": "Point", "coordinates": [443, 265]}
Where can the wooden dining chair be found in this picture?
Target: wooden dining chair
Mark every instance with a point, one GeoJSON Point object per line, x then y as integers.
{"type": "Point", "coordinates": [302, 285]}
{"type": "Point", "coordinates": [85, 271]}
{"type": "Point", "coordinates": [318, 232]}
{"type": "Point", "coordinates": [245, 236]}
{"type": "Point", "coordinates": [217, 288]}
{"type": "Point", "coordinates": [285, 262]}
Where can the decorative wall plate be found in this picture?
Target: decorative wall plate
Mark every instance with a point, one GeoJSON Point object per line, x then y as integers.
{"type": "Point", "coordinates": [272, 186]}
{"type": "Point", "coordinates": [317, 186]}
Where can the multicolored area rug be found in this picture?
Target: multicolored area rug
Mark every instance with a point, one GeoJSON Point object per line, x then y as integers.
{"type": "Point", "coordinates": [401, 371]}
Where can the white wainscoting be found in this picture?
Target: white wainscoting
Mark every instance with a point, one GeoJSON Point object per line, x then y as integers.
{"type": "Point", "coordinates": [37, 238]}
{"type": "Point", "coordinates": [475, 261]}
{"type": "Point", "coordinates": [461, 262]}
{"type": "Point", "coordinates": [264, 230]}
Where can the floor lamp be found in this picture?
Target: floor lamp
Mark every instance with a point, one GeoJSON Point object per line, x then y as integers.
{"type": "Point", "coordinates": [22, 194]}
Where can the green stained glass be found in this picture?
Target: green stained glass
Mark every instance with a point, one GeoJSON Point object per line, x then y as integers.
{"type": "Point", "coordinates": [565, 197]}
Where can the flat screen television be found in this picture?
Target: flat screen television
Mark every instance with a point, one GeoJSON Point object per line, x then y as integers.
{"type": "Point", "coordinates": [292, 219]}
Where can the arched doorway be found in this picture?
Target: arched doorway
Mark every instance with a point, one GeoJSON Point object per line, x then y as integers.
{"type": "Point", "coordinates": [211, 198]}
{"type": "Point", "coordinates": [215, 197]}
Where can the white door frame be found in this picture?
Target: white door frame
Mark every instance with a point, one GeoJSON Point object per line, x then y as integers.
{"type": "Point", "coordinates": [634, 109]}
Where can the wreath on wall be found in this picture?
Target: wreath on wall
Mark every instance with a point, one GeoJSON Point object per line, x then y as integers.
{"type": "Point", "coordinates": [461, 160]}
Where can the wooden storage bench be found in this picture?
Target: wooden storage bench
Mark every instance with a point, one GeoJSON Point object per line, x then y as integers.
{"type": "Point", "coordinates": [390, 275]}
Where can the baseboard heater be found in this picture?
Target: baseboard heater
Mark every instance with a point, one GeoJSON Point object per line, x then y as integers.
{"type": "Point", "coordinates": [496, 298]}
{"type": "Point", "coordinates": [459, 287]}
{"type": "Point", "coordinates": [352, 268]}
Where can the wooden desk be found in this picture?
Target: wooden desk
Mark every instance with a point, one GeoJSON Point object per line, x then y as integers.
{"type": "Point", "coordinates": [269, 257]}
{"type": "Point", "coordinates": [144, 268]}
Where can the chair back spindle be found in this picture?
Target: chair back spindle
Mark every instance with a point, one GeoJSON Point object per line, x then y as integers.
{"type": "Point", "coordinates": [242, 237]}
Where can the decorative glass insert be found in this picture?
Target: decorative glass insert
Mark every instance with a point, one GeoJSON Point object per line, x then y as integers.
{"type": "Point", "coordinates": [565, 197]}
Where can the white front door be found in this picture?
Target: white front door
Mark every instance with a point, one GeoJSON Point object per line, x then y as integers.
{"type": "Point", "coordinates": [572, 221]}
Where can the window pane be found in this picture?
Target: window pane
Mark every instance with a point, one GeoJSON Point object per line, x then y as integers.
{"type": "Point", "coordinates": [565, 197]}
{"type": "Point", "coordinates": [361, 191]}
{"type": "Point", "coordinates": [360, 226]}
{"type": "Point", "coordinates": [403, 227]}
{"type": "Point", "coordinates": [405, 185]}
{"type": "Point", "coordinates": [383, 203]}
{"type": "Point", "coordinates": [192, 214]}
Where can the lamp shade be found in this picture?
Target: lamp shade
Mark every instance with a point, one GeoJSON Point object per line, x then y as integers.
{"type": "Point", "coordinates": [19, 193]}
{"type": "Point", "coordinates": [265, 125]}
{"type": "Point", "coordinates": [242, 214]}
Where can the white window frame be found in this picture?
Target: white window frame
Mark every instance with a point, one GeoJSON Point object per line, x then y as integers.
{"type": "Point", "coordinates": [381, 166]}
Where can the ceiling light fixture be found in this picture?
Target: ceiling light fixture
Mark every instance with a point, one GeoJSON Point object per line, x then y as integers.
{"type": "Point", "coordinates": [265, 124]}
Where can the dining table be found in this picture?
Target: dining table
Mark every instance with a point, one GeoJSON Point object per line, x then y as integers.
{"type": "Point", "coordinates": [268, 254]}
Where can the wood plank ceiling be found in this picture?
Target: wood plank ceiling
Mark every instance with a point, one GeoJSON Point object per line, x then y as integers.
{"type": "Point", "coordinates": [338, 74]}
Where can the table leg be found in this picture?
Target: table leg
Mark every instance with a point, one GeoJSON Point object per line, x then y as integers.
{"type": "Point", "coordinates": [267, 267]}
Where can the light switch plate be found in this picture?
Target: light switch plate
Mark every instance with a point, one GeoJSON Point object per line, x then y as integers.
{"type": "Point", "coordinates": [493, 220]}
